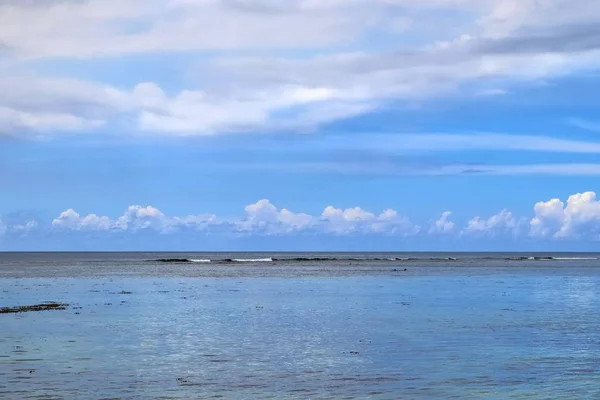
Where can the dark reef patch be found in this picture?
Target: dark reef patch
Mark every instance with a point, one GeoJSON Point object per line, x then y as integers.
{"type": "Point", "coordinates": [35, 307]}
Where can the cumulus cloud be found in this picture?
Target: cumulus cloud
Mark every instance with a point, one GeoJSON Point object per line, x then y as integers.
{"type": "Point", "coordinates": [138, 218]}
{"type": "Point", "coordinates": [263, 216]}
{"type": "Point", "coordinates": [443, 225]}
{"type": "Point", "coordinates": [579, 217]}
{"type": "Point", "coordinates": [549, 217]}
{"type": "Point", "coordinates": [134, 219]}
{"type": "Point", "coordinates": [357, 220]}
{"type": "Point", "coordinates": [70, 219]}
{"type": "Point", "coordinates": [500, 224]}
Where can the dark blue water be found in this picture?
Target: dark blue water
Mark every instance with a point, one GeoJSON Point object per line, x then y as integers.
{"type": "Point", "coordinates": [477, 327]}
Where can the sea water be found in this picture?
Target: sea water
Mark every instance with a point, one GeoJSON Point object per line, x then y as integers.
{"type": "Point", "coordinates": [421, 326]}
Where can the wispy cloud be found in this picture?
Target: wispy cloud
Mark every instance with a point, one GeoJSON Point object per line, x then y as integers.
{"type": "Point", "coordinates": [390, 169]}
{"type": "Point", "coordinates": [491, 92]}
{"type": "Point", "coordinates": [593, 126]}
{"type": "Point", "coordinates": [446, 142]}
{"type": "Point", "coordinates": [546, 169]}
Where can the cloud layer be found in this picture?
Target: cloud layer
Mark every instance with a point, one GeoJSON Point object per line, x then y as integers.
{"type": "Point", "coordinates": [578, 218]}
{"type": "Point", "coordinates": [271, 65]}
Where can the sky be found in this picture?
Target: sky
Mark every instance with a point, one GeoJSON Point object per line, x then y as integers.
{"type": "Point", "coordinates": [301, 125]}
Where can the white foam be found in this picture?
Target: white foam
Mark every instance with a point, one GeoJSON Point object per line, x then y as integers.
{"type": "Point", "coordinates": [574, 258]}
{"type": "Point", "coordinates": [199, 261]}
{"type": "Point", "coordinates": [253, 259]}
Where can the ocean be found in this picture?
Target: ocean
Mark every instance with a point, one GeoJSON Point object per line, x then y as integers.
{"type": "Point", "coordinates": [300, 326]}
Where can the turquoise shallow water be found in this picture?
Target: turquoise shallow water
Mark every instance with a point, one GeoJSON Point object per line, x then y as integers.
{"type": "Point", "coordinates": [464, 333]}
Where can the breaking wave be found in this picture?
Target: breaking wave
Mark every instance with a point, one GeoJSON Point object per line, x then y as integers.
{"type": "Point", "coordinates": [249, 260]}
{"type": "Point", "coordinates": [541, 258]}
{"type": "Point", "coordinates": [366, 259]}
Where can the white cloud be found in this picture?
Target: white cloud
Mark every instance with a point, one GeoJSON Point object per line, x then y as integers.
{"type": "Point", "coordinates": [264, 216]}
{"type": "Point", "coordinates": [443, 225]}
{"type": "Point", "coordinates": [3, 228]}
{"type": "Point", "coordinates": [70, 219]}
{"type": "Point", "coordinates": [134, 219]}
{"type": "Point", "coordinates": [138, 218]}
{"type": "Point", "coordinates": [25, 228]}
{"type": "Point", "coordinates": [580, 217]}
{"type": "Point", "coordinates": [362, 82]}
{"type": "Point", "coordinates": [199, 112]}
{"type": "Point", "coordinates": [500, 224]}
{"type": "Point", "coordinates": [13, 120]}
{"type": "Point", "coordinates": [30, 104]}
{"type": "Point", "coordinates": [549, 217]}
{"type": "Point", "coordinates": [357, 220]}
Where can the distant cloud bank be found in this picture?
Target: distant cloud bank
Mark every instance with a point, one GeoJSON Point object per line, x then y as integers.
{"type": "Point", "coordinates": [578, 218]}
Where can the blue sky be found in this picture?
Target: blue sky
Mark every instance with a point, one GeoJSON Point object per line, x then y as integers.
{"type": "Point", "coordinates": [299, 125]}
